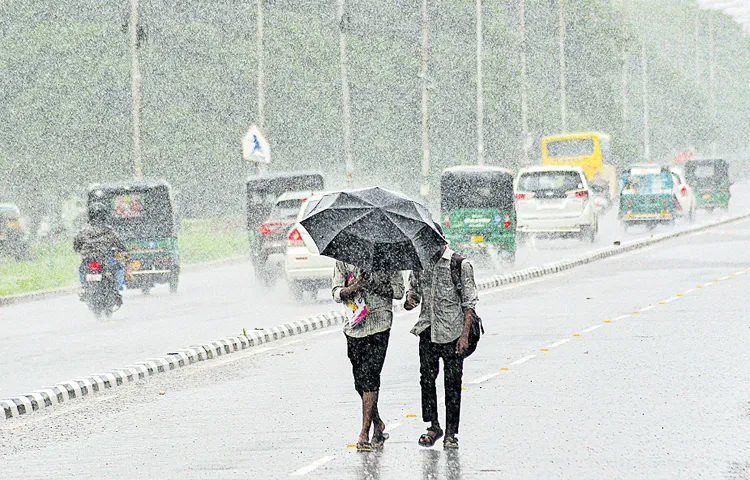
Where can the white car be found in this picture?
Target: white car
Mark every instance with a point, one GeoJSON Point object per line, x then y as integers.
{"type": "Point", "coordinates": [306, 270]}
{"type": "Point", "coordinates": [685, 203]}
{"type": "Point", "coordinates": [555, 201]}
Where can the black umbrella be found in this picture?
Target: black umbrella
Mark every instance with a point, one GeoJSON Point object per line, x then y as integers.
{"type": "Point", "coordinates": [374, 229]}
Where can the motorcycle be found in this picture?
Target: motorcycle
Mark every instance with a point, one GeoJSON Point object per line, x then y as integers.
{"type": "Point", "coordinates": [100, 288]}
{"type": "Point", "coordinates": [600, 199]}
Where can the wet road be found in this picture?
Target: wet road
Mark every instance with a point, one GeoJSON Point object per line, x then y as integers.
{"type": "Point", "coordinates": [632, 367]}
{"type": "Point", "coordinates": [51, 341]}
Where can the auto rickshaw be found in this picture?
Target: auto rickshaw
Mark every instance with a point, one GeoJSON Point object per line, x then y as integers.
{"type": "Point", "coordinates": [13, 237]}
{"type": "Point", "coordinates": [478, 211]}
{"type": "Point", "coordinates": [646, 196]}
{"type": "Point", "coordinates": [262, 193]}
{"type": "Point", "coordinates": [709, 179]}
{"type": "Point", "coordinates": [141, 212]}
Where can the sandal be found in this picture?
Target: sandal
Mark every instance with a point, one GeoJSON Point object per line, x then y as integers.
{"type": "Point", "coordinates": [378, 441]}
{"type": "Point", "coordinates": [364, 447]}
{"type": "Point", "coordinates": [450, 442]}
{"type": "Point", "coordinates": [428, 439]}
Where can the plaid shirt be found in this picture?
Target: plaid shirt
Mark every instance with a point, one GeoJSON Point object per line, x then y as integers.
{"type": "Point", "coordinates": [442, 307]}
{"type": "Point", "coordinates": [379, 309]}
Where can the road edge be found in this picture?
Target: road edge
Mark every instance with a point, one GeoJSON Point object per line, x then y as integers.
{"type": "Point", "coordinates": [51, 397]}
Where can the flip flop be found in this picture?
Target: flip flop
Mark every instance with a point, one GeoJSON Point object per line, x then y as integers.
{"type": "Point", "coordinates": [428, 439]}
{"type": "Point", "coordinates": [379, 441]}
{"type": "Point", "coordinates": [364, 447]}
{"type": "Point", "coordinates": [450, 442]}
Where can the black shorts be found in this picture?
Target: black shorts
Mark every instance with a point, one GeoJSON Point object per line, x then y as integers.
{"type": "Point", "coordinates": [367, 355]}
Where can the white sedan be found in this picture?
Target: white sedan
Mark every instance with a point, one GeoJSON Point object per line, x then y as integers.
{"type": "Point", "coordinates": [685, 203]}
{"type": "Point", "coordinates": [306, 270]}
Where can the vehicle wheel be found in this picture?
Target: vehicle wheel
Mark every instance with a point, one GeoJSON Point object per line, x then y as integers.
{"type": "Point", "coordinates": [297, 290]}
{"type": "Point", "coordinates": [521, 238]}
{"type": "Point", "coordinates": [691, 215]}
{"type": "Point", "coordinates": [510, 259]}
{"type": "Point", "coordinates": [146, 290]}
{"type": "Point", "coordinates": [108, 312]}
{"type": "Point", "coordinates": [174, 282]}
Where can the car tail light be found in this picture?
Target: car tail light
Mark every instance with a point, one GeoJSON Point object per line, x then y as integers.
{"type": "Point", "coordinates": [524, 196]}
{"type": "Point", "coordinates": [94, 265]}
{"type": "Point", "coordinates": [294, 239]}
{"type": "Point", "coordinates": [270, 227]}
{"type": "Point", "coordinates": [447, 220]}
{"type": "Point", "coordinates": [578, 194]}
{"type": "Point", "coordinates": [506, 221]}
{"type": "Point", "coordinates": [683, 191]}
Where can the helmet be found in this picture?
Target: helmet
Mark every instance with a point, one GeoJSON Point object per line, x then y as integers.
{"type": "Point", "coordinates": [98, 214]}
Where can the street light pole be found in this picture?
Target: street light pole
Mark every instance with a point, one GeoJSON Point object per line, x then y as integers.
{"type": "Point", "coordinates": [711, 76]}
{"type": "Point", "coordinates": [625, 88]}
{"type": "Point", "coordinates": [480, 99]}
{"type": "Point", "coordinates": [345, 97]}
{"type": "Point", "coordinates": [424, 189]}
{"type": "Point", "coordinates": [646, 133]}
{"type": "Point", "coordinates": [524, 92]}
{"type": "Point", "coordinates": [135, 78]}
{"type": "Point", "coordinates": [563, 94]}
{"type": "Point", "coordinates": [260, 168]}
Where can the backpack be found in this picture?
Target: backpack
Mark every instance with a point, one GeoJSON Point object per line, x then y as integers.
{"type": "Point", "coordinates": [476, 329]}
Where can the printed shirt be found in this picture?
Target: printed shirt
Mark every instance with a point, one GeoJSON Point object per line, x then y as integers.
{"type": "Point", "coordinates": [380, 309]}
{"type": "Point", "coordinates": [442, 307]}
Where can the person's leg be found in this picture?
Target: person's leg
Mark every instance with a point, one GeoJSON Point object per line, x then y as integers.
{"type": "Point", "coordinates": [369, 400]}
{"type": "Point", "coordinates": [453, 366]}
{"type": "Point", "coordinates": [81, 274]}
{"type": "Point", "coordinates": [428, 369]}
{"type": "Point", "coordinates": [379, 348]}
{"type": "Point", "coordinates": [355, 353]}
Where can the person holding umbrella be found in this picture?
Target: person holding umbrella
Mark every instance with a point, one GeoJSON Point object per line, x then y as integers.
{"type": "Point", "coordinates": [367, 338]}
{"type": "Point", "coordinates": [448, 293]}
{"type": "Point", "coordinates": [371, 231]}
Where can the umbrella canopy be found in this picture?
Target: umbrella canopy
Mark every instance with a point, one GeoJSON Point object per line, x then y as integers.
{"type": "Point", "coordinates": [374, 229]}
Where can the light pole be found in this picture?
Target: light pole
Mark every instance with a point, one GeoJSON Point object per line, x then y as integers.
{"type": "Point", "coordinates": [424, 188]}
{"type": "Point", "coordinates": [480, 98]}
{"type": "Point", "coordinates": [711, 77]}
{"type": "Point", "coordinates": [260, 168]}
{"type": "Point", "coordinates": [625, 88]}
{"type": "Point", "coordinates": [563, 94]}
{"type": "Point", "coordinates": [524, 92]}
{"type": "Point", "coordinates": [345, 98]}
{"type": "Point", "coordinates": [646, 133]}
{"type": "Point", "coordinates": [135, 84]}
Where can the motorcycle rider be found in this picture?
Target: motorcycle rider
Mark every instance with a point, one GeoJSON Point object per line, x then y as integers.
{"type": "Point", "coordinates": [97, 240]}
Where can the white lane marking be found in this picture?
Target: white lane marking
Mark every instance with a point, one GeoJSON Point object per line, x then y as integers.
{"type": "Point", "coordinates": [688, 291]}
{"type": "Point", "coordinates": [484, 379]}
{"type": "Point", "coordinates": [523, 360]}
{"type": "Point", "coordinates": [739, 273]}
{"type": "Point", "coordinates": [317, 463]}
{"type": "Point", "coordinates": [725, 278]}
{"type": "Point", "coordinates": [708, 284]}
{"type": "Point", "coordinates": [671, 299]}
{"type": "Point", "coordinates": [392, 426]}
{"type": "Point", "coordinates": [591, 329]}
{"type": "Point", "coordinates": [333, 330]}
{"type": "Point", "coordinates": [621, 317]}
{"type": "Point", "coordinates": [558, 343]}
{"type": "Point", "coordinates": [646, 309]}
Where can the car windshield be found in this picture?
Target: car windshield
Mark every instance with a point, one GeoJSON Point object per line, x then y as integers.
{"type": "Point", "coordinates": [572, 147]}
{"type": "Point", "coordinates": [285, 210]}
{"type": "Point", "coordinates": [551, 180]}
{"type": "Point", "coordinates": [311, 204]}
{"type": "Point", "coordinates": [8, 212]}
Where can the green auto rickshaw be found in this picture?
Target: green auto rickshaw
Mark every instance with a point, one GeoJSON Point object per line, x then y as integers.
{"type": "Point", "coordinates": [646, 196]}
{"type": "Point", "coordinates": [709, 179]}
{"type": "Point", "coordinates": [262, 193]}
{"type": "Point", "coordinates": [478, 211]}
{"type": "Point", "coordinates": [142, 213]}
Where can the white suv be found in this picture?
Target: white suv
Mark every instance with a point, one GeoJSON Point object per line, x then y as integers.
{"type": "Point", "coordinates": [555, 201]}
{"type": "Point", "coordinates": [306, 270]}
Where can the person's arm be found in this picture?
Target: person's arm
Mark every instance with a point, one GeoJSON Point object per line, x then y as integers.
{"type": "Point", "coordinates": [397, 285]}
{"type": "Point", "coordinates": [469, 299]}
{"type": "Point", "coordinates": [414, 292]}
{"type": "Point", "coordinates": [338, 282]}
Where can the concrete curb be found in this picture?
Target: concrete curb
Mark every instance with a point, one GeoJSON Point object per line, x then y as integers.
{"type": "Point", "coordinates": [62, 291]}
{"type": "Point", "coordinates": [51, 397]}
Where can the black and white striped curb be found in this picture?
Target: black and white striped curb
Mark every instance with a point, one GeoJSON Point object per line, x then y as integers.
{"type": "Point", "coordinates": [54, 396]}
{"type": "Point", "coordinates": [50, 397]}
